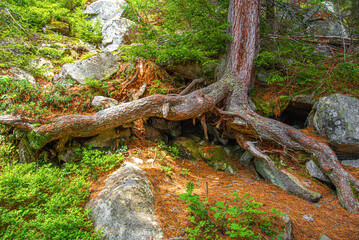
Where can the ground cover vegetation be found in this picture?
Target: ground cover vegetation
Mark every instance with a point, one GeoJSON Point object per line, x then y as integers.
{"type": "Point", "coordinates": [175, 32]}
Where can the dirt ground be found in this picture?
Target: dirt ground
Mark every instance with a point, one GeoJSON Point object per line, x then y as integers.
{"type": "Point", "coordinates": [329, 217]}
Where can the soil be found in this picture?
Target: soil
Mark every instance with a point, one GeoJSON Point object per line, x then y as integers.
{"type": "Point", "coordinates": [329, 217]}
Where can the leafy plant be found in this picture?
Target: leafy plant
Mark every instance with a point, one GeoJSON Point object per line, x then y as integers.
{"type": "Point", "coordinates": [167, 170]}
{"type": "Point", "coordinates": [184, 171]}
{"type": "Point", "coordinates": [44, 202]}
{"type": "Point", "coordinates": [238, 218]}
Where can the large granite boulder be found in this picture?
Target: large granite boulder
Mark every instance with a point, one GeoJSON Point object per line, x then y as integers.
{"type": "Point", "coordinates": [285, 180]}
{"type": "Point", "coordinates": [116, 30]}
{"type": "Point", "coordinates": [336, 118]}
{"type": "Point", "coordinates": [96, 67]}
{"type": "Point", "coordinates": [124, 208]}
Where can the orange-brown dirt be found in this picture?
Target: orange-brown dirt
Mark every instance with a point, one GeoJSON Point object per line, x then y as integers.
{"type": "Point", "coordinates": [329, 217]}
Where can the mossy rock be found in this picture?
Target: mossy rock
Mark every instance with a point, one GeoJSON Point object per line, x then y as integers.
{"type": "Point", "coordinates": [214, 155]}
{"type": "Point", "coordinates": [59, 27]}
{"type": "Point", "coordinates": [187, 147]}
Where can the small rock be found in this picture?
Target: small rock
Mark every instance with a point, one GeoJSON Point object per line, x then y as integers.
{"type": "Point", "coordinates": [18, 74]}
{"type": "Point", "coordinates": [308, 218]}
{"type": "Point", "coordinates": [324, 237]}
{"type": "Point", "coordinates": [105, 102]}
{"type": "Point", "coordinates": [262, 77]}
{"type": "Point", "coordinates": [45, 67]}
{"type": "Point", "coordinates": [137, 160]}
{"type": "Point", "coordinates": [288, 231]}
{"type": "Point", "coordinates": [151, 160]}
{"type": "Point", "coordinates": [316, 172]}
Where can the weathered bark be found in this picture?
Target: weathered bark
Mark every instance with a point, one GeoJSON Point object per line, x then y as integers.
{"type": "Point", "coordinates": [232, 88]}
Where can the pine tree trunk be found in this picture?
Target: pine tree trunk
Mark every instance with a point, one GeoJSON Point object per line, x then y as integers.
{"type": "Point", "coordinates": [232, 89]}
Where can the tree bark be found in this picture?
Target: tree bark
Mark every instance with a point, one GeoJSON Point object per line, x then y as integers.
{"type": "Point", "coordinates": [232, 89]}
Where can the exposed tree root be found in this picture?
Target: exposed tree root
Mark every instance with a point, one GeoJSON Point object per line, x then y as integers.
{"type": "Point", "coordinates": [231, 89]}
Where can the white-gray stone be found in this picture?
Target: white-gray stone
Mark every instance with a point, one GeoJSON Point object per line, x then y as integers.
{"type": "Point", "coordinates": [104, 102]}
{"type": "Point", "coordinates": [353, 163]}
{"type": "Point", "coordinates": [115, 33]}
{"type": "Point", "coordinates": [124, 208]}
{"type": "Point", "coordinates": [104, 10]}
{"type": "Point", "coordinates": [284, 180]}
{"type": "Point", "coordinates": [324, 237]}
{"type": "Point", "coordinates": [336, 118]}
{"type": "Point", "coordinates": [308, 218]}
{"type": "Point", "coordinates": [115, 29]}
{"type": "Point", "coordinates": [18, 74]}
{"type": "Point", "coordinates": [316, 172]}
{"type": "Point", "coordinates": [96, 67]}
{"type": "Point", "coordinates": [45, 66]}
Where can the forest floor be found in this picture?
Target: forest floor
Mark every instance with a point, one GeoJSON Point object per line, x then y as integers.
{"type": "Point", "coordinates": [329, 217]}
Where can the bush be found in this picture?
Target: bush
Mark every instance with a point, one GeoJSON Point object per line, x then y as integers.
{"type": "Point", "coordinates": [44, 202]}
{"type": "Point", "coordinates": [237, 218]}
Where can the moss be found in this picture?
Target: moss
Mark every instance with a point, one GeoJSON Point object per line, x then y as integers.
{"type": "Point", "coordinates": [37, 141]}
{"type": "Point", "coordinates": [355, 192]}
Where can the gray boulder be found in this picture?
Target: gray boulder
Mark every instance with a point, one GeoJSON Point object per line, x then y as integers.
{"type": "Point", "coordinates": [115, 29]}
{"type": "Point", "coordinates": [104, 102]}
{"type": "Point", "coordinates": [352, 163]}
{"type": "Point", "coordinates": [284, 180]}
{"type": "Point", "coordinates": [96, 67]}
{"type": "Point", "coordinates": [116, 32]}
{"type": "Point", "coordinates": [327, 28]}
{"type": "Point", "coordinates": [124, 207]}
{"type": "Point", "coordinates": [316, 172]}
{"type": "Point", "coordinates": [336, 118]}
{"type": "Point", "coordinates": [18, 74]}
{"type": "Point", "coordinates": [104, 10]}
{"type": "Point", "coordinates": [171, 128]}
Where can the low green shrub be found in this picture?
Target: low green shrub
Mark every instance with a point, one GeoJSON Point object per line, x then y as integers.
{"type": "Point", "coordinates": [239, 217]}
{"type": "Point", "coordinates": [45, 202]}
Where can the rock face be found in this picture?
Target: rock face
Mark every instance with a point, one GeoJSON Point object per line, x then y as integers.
{"type": "Point", "coordinates": [115, 29]}
{"type": "Point", "coordinates": [18, 73]}
{"type": "Point", "coordinates": [104, 102]}
{"type": "Point", "coordinates": [96, 67]}
{"type": "Point", "coordinates": [336, 118]}
{"type": "Point", "coordinates": [316, 172]}
{"type": "Point", "coordinates": [285, 180]}
{"type": "Point", "coordinates": [124, 208]}
{"type": "Point", "coordinates": [327, 28]}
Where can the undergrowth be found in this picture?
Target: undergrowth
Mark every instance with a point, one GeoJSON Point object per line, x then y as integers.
{"type": "Point", "coordinates": [45, 202]}
{"type": "Point", "coordinates": [238, 217]}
